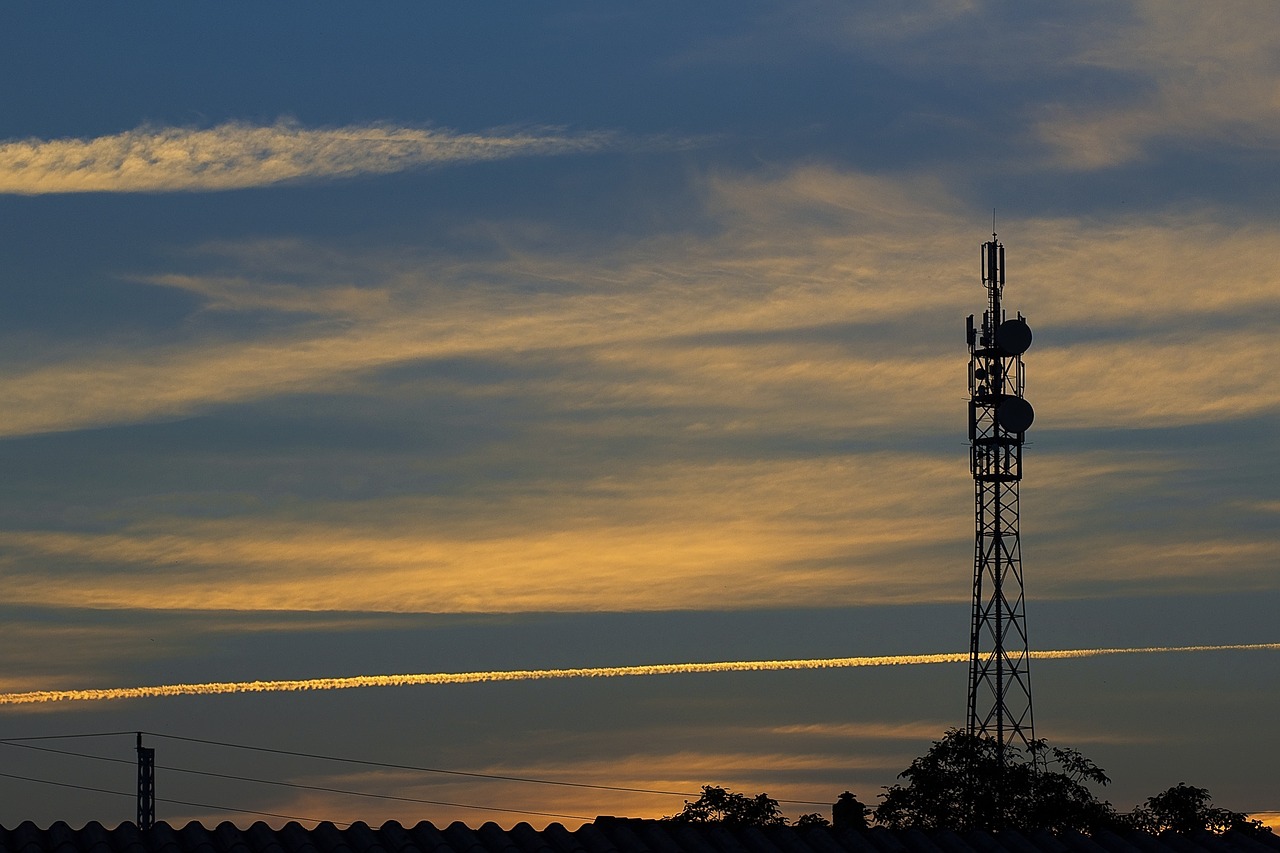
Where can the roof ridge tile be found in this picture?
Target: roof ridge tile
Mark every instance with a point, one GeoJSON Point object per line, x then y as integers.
{"type": "Point", "coordinates": [429, 838]}
{"type": "Point", "coordinates": [527, 839]}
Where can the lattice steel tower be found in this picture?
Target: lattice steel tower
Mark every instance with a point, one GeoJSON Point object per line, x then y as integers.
{"type": "Point", "coordinates": [999, 656]}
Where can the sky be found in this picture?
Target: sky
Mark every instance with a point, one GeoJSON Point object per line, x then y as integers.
{"type": "Point", "coordinates": [344, 340]}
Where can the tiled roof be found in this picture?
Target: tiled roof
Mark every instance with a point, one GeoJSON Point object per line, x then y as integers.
{"type": "Point", "coordinates": [604, 835]}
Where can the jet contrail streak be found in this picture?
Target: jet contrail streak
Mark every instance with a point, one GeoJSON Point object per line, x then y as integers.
{"type": "Point", "coordinates": [93, 695]}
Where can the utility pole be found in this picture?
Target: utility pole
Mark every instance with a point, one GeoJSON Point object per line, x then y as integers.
{"type": "Point", "coordinates": [146, 785]}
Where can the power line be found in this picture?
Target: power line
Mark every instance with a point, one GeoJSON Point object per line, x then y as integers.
{"type": "Point", "coordinates": [295, 785]}
{"type": "Point", "coordinates": [163, 800]}
{"type": "Point", "coordinates": [473, 775]}
{"type": "Point", "coordinates": [66, 737]}
{"type": "Point", "coordinates": [380, 764]}
{"type": "Point", "coordinates": [67, 752]}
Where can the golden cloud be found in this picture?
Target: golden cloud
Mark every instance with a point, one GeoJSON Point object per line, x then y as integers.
{"type": "Point", "coordinates": [1216, 376]}
{"type": "Point", "coordinates": [817, 311]}
{"type": "Point", "coordinates": [726, 321]}
{"type": "Point", "coordinates": [237, 155]}
{"type": "Point", "coordinates": [718, 536]}
{"type": "Point", "coordinates": [847, 530]}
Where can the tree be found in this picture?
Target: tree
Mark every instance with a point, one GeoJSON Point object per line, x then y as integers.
{"type": "Point", "coordinates": [808, 821]}
{"type": "Point", "coordinates": [716, 805]}
{"type": "Point", "coordinates": [968, 782]}
{"type": "Point", "coordinates": [1062, 798]}
{"type": "Point", "coordinates": [1185, 809]}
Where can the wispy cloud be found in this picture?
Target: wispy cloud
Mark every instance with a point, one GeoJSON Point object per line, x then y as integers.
{"type": "Point", "coordinates": [833, 288]}
{"type": "Point", "coordinates": [238, 155]}
{"type": "Point", "coordinates": [1209, 73]}
{"type": "Point", "coordinates": [863, 730]}
{"type": "Point", "coordinates": [776, 533]}
{"type": "Point", "coordinates": [751, 766]}
{"type": "Point", "coordinates": [1111, 81]}
{"type": "Point", "coordinates": [828, 305]}
{"type": "Point", "coordinates": [848, 529]}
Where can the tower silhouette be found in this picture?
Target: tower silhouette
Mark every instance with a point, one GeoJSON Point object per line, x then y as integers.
{"type": "Point", "coordinates": [999, 655]}
{"type": "Point", "coordinates": [146, 785]}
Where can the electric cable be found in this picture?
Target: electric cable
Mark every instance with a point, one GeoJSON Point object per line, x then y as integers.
{"type": "Point", "coordinates": [473, 775]}
{"type": "Point", "coordinates": [389, 766]}
{"type": "Point", "coordinates": [66, 737]}
{"type": "Point", "coordinates": [67, 752]}
{"type": "Point", "coordinates": [166, 800]}
{"type": "Point", "coordinates": [296, 785]}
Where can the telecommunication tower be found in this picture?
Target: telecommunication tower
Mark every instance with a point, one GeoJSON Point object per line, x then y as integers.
{"type": "Point", "coordinates": [999, 655]}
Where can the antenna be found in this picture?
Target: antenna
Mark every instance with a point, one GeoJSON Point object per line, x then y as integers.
{"type": "Point", "coordinates": [999, 654]}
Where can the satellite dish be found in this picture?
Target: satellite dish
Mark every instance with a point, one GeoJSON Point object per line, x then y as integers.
{"type": "Point", "coordinates": [1015, 414]}
{"type": "Point", "coordinates": [1014, 336]}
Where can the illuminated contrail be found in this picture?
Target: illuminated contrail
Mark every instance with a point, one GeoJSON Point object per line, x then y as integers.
{"type": "Point", "coordinates": [35, 696]}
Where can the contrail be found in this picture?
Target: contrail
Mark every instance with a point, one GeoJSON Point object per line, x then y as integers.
{"type": "Point", "coordinates": [99, 694]}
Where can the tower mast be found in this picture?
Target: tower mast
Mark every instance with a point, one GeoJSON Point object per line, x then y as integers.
{"type": "Point", "coordinates": [999, 654]}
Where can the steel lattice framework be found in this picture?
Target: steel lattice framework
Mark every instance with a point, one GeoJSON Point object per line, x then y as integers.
{"type": "Point", "coordinates": [999, 654]}
{"type": "Point", "coordinates": [146, 785]}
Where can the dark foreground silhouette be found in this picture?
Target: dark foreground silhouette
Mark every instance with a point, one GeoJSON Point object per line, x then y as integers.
{"type": "Point", "coordinates": [967, 782]}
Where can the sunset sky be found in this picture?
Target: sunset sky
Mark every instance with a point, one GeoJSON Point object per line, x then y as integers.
{"type": "Point", "coordinates": [346, 340]}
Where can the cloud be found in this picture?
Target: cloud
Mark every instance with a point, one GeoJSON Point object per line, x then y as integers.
{"type": "Point", "coordinates": [821, 291]}
{"type": "Point", "coordinates": [777, 533]}
{"type": "Point", "coordinates": [1101, 85]}
{"type": "Point", "coordinates": [752, 767]}
{"type": "Point", "coordinates": [1209, 378]}
{"type": "Point", "coordinates": [864, 730]}
{"type": "Point", "coordinates": [237, 155]}
{"type": "Point", "coordinates": [1209, 75]}
{"type": "Point", "coordinates": [643, 310]}
{"type": "Point", "coordinates": [839, 530]}
{"type": "Point", "coordinates": [665, 395]}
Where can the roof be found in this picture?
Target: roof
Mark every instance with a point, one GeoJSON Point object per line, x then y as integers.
{"type": "Point", "coordinates": [604, 835]}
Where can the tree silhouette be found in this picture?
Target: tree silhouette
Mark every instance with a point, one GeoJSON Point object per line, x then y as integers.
{"type": "Point", "coordinates": [1186, 809]}
{"type": "Point", "coordinates": [807, 821]}
{"type": "Point", "coordinates": [967, 782]}
{"type": "Point", "coordinates": [716, 805]}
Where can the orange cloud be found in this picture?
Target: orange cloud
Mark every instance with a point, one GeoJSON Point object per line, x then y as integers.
{"type": "Point", "coordinates": [717, 536]}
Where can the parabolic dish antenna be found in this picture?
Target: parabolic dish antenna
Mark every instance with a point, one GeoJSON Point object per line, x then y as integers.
{"type": "Point", "coordinates": [1015, 414]}
{"type": "Point", "coordinates": [1014, 336]}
